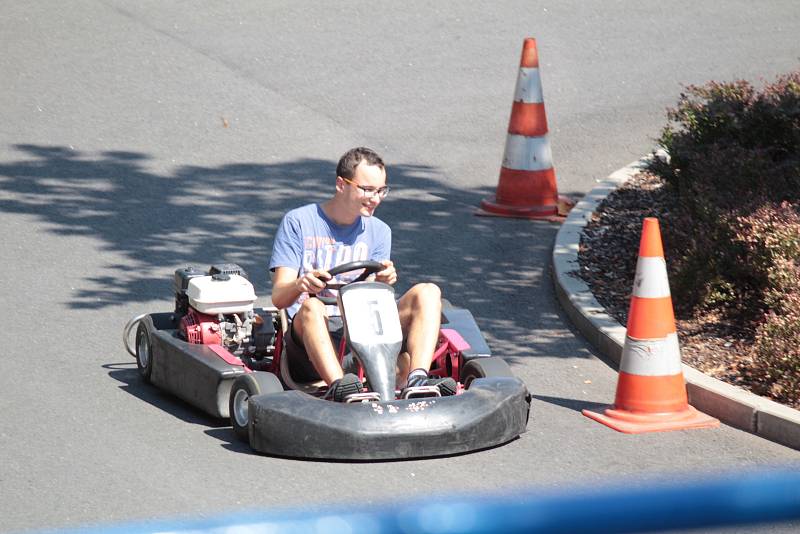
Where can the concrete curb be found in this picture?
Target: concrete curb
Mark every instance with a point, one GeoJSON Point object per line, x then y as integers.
{"type": "Point", "coordinates": [730, 404]}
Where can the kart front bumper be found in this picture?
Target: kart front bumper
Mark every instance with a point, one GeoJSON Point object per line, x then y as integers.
{"type": "Point", "coordinates": [491, 412]}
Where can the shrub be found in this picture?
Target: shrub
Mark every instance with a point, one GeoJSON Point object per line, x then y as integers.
{"type": "Point", "coordinates": [730, 144]}
{"type": "Point", "coordinates": [770, 238]}
{"type": "Point", "coordinates": [732, 151]}
{"type": "Point", "coordinates": [776, 352]}
{"type": "Point", "coordinates": [773, 236]}
{"type": "Point", "coordinates": [734, 177]}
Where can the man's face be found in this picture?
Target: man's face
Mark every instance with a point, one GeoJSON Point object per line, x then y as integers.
{"type": "Point", "coordinates": [370, 177]}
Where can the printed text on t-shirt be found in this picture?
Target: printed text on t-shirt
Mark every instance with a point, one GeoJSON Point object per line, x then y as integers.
{"type": "Point", "coordinates": [329, 256]}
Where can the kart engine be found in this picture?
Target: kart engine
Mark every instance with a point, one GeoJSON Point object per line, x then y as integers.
{"type": "Point", "coordinates": [231, 331]}
{"type": "Point", "coordinates": [216, 307]}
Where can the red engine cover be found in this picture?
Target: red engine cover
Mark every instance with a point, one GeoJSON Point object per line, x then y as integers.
{"type": "Point", "coordinates": [200, 328]}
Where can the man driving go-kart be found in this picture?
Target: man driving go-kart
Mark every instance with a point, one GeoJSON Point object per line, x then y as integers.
{"type": "Point", "coordinates": [355, 376]}
{"type": "Point", "coordinates": [315, 238]}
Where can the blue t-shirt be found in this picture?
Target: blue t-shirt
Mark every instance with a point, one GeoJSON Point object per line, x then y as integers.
{"type": "Point", "coordinates": [307, 239]}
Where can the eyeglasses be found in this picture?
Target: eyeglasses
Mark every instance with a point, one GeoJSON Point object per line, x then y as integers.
{"type": "Point", "coordinates": [369, 192]}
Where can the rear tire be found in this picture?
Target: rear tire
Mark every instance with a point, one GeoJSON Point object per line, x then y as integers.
{"type": "Point", "coordinates": [144, 352]}
{"type": "Point", "coordinates": [244, 387]}
{"type": "Point", "coordinates": [492, 367]}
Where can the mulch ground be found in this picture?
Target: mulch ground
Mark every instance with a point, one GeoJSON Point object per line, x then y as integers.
{"type": "Point", "coordinates": [608, 252]}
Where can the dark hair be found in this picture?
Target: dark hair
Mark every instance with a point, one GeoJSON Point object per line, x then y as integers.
{"type": "Point", "coordinates": [350, 160]}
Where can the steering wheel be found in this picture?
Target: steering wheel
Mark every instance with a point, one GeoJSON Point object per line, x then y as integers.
{"type": "Point", "coordinates": [370, 267]}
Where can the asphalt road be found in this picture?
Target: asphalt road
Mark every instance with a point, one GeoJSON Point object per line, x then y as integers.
{"type": "Point", "coordinates": [137, 138]}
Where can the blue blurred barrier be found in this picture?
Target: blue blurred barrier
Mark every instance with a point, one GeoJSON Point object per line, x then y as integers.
{"type": "Point", "coordinates": [745, 498]}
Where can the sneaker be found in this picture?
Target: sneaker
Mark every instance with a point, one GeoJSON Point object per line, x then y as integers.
{"type": "Point", "coordinates": [340, 389]}
{"type": "Point", "coordinates": [447, 386]}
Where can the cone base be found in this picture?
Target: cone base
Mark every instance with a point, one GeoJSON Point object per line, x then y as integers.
{"type": "Point", "coordinates": [490, 207]}
{"type": "Point", "coordinates": [639, 423]}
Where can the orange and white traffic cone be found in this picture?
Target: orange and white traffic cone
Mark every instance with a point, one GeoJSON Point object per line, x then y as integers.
{"type": "Point", "coordinates": [527, 185]}
{"type": "Point", "coordinates": [651, 392]}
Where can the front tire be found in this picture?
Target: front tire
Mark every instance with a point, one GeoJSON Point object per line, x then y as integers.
{"type": "Point", "coordinates": [490, 367]}
{"type": "Point", "coordinates": [244, 387]}
{"type": "Point", "coordinates": [144, 352]}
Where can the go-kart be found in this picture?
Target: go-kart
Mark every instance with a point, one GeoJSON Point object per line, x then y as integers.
{"type": "Point", "coordinates": [224, 356]}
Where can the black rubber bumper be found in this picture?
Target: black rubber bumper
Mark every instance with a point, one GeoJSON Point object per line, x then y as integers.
{"type": "Point", "coordinates": [294, 424]}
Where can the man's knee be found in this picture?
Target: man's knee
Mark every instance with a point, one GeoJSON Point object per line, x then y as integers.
{"type": "Point", "coordinates": [426, 294]}
{"type": "Point", "coordinates": [313, 307]}
{"type": "Point", "coordinates": [311, 312]}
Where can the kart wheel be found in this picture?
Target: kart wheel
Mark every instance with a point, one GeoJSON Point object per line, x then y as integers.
{"type": "Point", "coordinates": [144, 352]}
{"type": "Point", "coordinates": [484, 368]}
{"type": "Point", "coordinates": [244, 387]}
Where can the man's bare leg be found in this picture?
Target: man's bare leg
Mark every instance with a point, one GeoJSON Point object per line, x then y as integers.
{"type": "Point", "coordinates": [311, 326]}
{"type": "Point", "coordinates": [420, 317]}
{"type": "Point", "coordinates": [403, 368]}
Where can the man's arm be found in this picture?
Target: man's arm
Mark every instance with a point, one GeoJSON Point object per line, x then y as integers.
{"type": "Point", "coordinates": [287, 287]}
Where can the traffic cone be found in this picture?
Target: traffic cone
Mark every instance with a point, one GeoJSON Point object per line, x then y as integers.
{"type": "Point", "coordinates": [651, 392]}
{"type": "Point", "coordinates": [527, 185]}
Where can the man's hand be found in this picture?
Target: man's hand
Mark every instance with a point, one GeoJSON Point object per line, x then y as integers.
{"type": "Point", "coordinates": [388, 275]}
{"type": "Point", "coordinates": [313, 281]}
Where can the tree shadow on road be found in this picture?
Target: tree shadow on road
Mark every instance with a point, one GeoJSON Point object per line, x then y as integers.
{"type": "Point", "coordinates": [147, 223]}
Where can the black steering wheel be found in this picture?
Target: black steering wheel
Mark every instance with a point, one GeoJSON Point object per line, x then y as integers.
{"type": "Point", "coordinates": [370, 267]}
